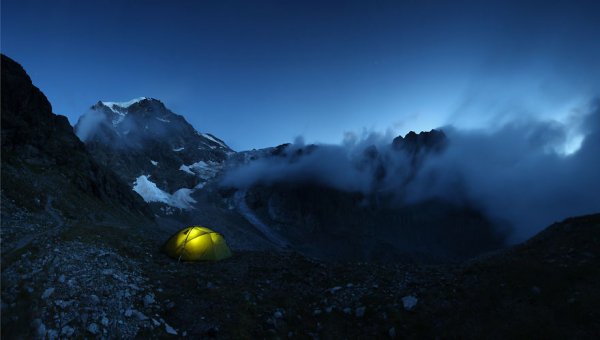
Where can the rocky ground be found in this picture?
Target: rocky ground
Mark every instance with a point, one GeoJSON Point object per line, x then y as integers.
{"type": "Point", "coordinates": [106, 281]}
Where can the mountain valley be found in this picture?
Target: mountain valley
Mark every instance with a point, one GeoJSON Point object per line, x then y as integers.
{"type": "Point", "coordinates": [325, 241]}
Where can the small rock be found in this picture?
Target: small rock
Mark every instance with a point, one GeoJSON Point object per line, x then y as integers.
{"type": "Point", "coordinates": [536, 290]}
{"type": "Point", "coordinates": [39, 327]}
{"type": "Point", "coordinates": [170, 305]}
{"type": "Point", "coordinates": [409, 302]}
{"type": "Point", "coordinates": [104, 321]}
{"type": "Point", "coordinates": [349, 285]}
{"type": "Point", "coordinates": [392, 332]}
{"type": "Point", "coordinates": [93, 328]}
{"type": "Point", "coordinates": [61, 279]}
{"type": "Point", "coordinates": [94, 299]}
{"type": "Point", "coordinates": [170, 330]}
{"type": "Point", "coordinates": [210, 285]}
{"type": "Point", "coordinates": [278, 314]}
{"type": "Point", "coordinates": [247, 296]}
{"type": "Point", "coordinates": [334, 289]}
{"type": "Point", "coordinates": [63, 304]}
{"type": "Point", "coordinates": [128, 312]}
{"type": "Point", "coordinates": [67, 331]}
{"type": "Point", "coordinates": [360, 312]}
{"type": "Point", "coordinates": [148, 300]}
{"type": "Point", "coordinates": [329, 309]}
{"type": "Point", "coordinates": [52, 334]}
{"type": "Point", "coordinates": [155, 322]}
{"type": "Point", "coordinates": [119, 277]}
{"type": "Point", "coordinates": [47, 293]}
{"type": "Point", "coordinates": [347, 310]}
{"type": "Point", "coordinates": [139, 315]}
{"type": "Point", "coordinates": [317, 312]}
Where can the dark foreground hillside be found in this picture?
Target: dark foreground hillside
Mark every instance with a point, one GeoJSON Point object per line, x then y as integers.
{"type": "Point", "coordinates": [107, 281]}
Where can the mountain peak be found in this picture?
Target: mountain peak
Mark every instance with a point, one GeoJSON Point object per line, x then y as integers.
{"type": "Point", "coordinates": [122, 105]}
{"type": "Point", "coordinates": [413, 142]}
{"type": "Point", "coordinates": [143, 137]}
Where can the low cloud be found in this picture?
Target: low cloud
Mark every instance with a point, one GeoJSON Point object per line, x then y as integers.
{"type": "Point", "coordinates": [531, 173]}
{"type": "Point", "coordinates": [528, 172]}
{"type": "Point", "coordinates": [88, 124]}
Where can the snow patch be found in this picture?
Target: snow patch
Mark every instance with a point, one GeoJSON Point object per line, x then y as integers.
{"type": "Point", "coordinates": [202, 169]}
{"type": "Point", "coordinates": [151, 193]}
{"type": "Point", "coordinates": [186, 168]}
{"type": "Point", "coordinates": [179, 149]}
{"type": "Point", "coordinates": [212, 139]}
{"type": "Point", "coordinates": [155, 163]}
{"type": "Point", "coordinates": [207, 146]}
{"type": "Point", "coordinates": [163, 120]}
{"type": "Point", "coordinates": [123, 105]}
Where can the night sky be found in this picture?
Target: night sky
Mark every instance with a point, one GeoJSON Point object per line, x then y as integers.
{"type": "Point", "coordinates": [260, 73]}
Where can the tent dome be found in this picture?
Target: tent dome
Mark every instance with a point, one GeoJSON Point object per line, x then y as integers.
{"type": "Point", "coordinates": [197, 243]}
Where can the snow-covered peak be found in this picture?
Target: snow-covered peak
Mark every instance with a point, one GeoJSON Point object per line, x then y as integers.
{"type": "Point", "coordinates": [120, 108]}
{"type": "Point", "coordinates": [114, 106]}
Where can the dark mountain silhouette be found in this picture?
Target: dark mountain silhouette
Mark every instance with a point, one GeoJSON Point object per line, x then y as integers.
{"type": "Point", "coordinates": [42, 159]}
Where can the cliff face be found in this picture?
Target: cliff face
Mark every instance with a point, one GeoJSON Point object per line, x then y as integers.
{"type": "Point", "coordinates": [43, 159]}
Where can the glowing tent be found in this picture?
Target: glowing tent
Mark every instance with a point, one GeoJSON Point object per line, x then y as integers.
{"type": "Point", "coordinates": [196, 244]}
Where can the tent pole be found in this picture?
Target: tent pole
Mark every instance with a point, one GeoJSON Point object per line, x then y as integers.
{"type": "Point", "coordinates": [184, 243]}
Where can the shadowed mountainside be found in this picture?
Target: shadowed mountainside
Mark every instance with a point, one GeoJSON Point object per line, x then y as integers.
{"type": "Point", "coordinates": [43, 160]}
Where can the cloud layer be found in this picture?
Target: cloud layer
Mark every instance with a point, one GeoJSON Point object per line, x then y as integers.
{"type": "Point", "coordinates": [529, 172]}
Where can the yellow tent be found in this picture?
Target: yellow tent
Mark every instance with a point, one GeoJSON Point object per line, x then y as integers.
{"type": "Point", "coordinates": [197, 243]}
